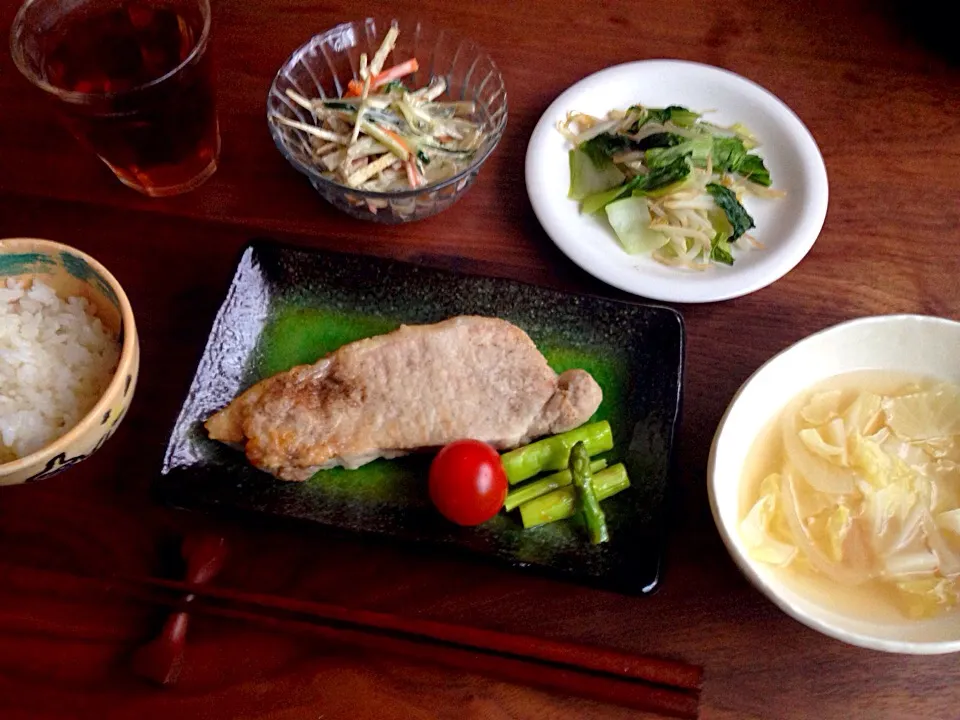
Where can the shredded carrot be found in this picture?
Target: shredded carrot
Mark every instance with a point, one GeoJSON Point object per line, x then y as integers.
{"type": "Point", "coordinates": [398, 139]}
{"type": "Point", "coordinates": [355, 87]}
{"type": "Point", "coordinates": [395, 73]}
{"type": "Point", "coordinates": [413, 175]}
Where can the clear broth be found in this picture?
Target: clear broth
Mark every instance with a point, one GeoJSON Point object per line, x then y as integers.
{"type": "Point", "coordinates": [876, 600]}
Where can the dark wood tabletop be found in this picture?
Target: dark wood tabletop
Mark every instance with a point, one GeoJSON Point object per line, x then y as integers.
{"type": "Point", "coordinates": [878, 86]}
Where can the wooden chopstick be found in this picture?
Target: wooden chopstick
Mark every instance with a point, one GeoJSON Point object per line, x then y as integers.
{"type": "Point", "coordinates": [553, 678]}
{"type": "Point", "coordinates": [549, 665]}
{"type": "Point", "coordinates": [669, 673]}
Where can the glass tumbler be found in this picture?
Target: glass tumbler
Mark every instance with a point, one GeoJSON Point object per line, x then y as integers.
{"type": "Point", "coordinates": [132, 80]}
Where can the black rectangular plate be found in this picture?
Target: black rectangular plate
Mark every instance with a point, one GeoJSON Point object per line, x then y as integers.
{"type": "Point", "coordinates": [287, 306]}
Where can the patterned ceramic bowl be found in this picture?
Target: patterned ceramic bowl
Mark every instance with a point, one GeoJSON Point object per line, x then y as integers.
{"type": "Point", "coordinates": [328, 61]}
{"type": "Point", "coordinates": [73, 273]}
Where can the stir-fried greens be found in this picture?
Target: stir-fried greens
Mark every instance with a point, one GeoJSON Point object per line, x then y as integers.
{"type": "Point", "coordinates": [671, 183]}
{"type": "Point", "coordinates": [868, 492]}
{"type": "Point", "coordinates": [383, 137]}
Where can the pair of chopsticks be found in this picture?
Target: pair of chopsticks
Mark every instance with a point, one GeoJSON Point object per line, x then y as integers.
{"type": "Point", "coordinates": [643, 683]}
{"type": "Point", "coordinates": [654, 685]}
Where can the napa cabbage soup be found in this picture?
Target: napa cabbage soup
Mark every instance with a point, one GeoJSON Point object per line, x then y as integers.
{"type": "Point", "coordinates": [853, 492]}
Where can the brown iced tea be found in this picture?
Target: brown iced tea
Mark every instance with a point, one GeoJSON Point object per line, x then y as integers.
{"type": "Point", "coordinates": [133, 81]}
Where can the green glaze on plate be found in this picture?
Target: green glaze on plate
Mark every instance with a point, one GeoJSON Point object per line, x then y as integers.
{"type": "Point", "coordinates": [287, 307]}
{"type": "Point", "coordinates": [300, 334]}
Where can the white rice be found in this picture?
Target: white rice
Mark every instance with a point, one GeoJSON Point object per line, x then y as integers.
{"type": "Point", "coordinates": [56, 361]}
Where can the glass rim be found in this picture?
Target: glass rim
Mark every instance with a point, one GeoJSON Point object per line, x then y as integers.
{"type": "Point", "coordinates": [19, 60]}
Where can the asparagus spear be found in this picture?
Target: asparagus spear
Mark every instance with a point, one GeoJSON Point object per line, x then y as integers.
{"type": "Point", "coordinates": [553, 453]}
{"type": "Point", "coordinates": [526, 493]}
{"type": "Point", "coordinates": [562, 503]}
{"type": "Point", "coordinates": [583, 482]}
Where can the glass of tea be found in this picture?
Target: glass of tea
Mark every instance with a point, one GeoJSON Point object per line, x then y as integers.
{"type": "Point", "coordinates": [132, 80]}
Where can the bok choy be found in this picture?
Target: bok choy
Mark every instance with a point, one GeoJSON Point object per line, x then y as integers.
{"type": "Point", "coordinates": [671, 184]}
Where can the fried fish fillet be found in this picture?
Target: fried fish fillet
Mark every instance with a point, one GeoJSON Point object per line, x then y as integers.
{"type": "Point", "coordinates": [420, 386]}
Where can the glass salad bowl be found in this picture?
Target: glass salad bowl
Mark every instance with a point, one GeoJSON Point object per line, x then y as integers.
{"type": "Point", "coordinates": [324, 66]}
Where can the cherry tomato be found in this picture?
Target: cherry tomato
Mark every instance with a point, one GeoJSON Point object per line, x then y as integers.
{"type": "Point", "coordinates": [467, 482]}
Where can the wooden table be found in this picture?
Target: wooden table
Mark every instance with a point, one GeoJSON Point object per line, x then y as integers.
{"type": "Point", "coordinates": [883, 101]}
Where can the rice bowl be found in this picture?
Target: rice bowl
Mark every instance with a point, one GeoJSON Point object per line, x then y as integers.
{"type": "Point", "coordinates": [69, 358]}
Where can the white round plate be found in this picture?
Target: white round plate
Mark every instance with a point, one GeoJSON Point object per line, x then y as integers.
{"type": "Point", "coordinates": [788, 227]}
